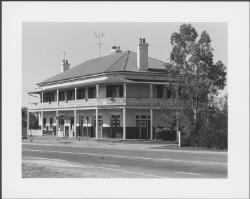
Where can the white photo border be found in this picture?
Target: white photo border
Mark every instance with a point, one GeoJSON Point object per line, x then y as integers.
{"type": "Point", "coordinates": [237, 17]}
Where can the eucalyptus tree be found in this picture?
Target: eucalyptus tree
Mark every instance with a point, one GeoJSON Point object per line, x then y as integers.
{"type": "Point", "coordinates": [199, 76]}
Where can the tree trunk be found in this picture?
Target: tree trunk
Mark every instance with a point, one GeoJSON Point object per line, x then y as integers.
{"type": "Point", "coordinates": [195, 127]}
{"type": "Point", "coordinates": [207, 129]}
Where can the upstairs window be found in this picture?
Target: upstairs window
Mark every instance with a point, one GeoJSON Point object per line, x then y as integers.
{"type": "Point", "coordinates": [71, 95]}
{"type": "Point", "coordinates": [92, 92]}
{"type": "Point", "coordinates": [81, 93]}
{"type": "Point", "coordinates": [61, 96]}
{"type": "Point", "coordinates": [169, 92]}
{"type": "Point", "coordinates": [159, 91]}
{"type": "Point", "coordinates": [114, 91]}
{"type": "Point", "coordinates": [48, 97]}
{"type": "Point", "coordinates": [174, 91]}
{"type": "Point", "coordinates": [182, 94]}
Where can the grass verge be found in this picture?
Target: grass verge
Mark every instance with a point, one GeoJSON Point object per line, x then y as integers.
{"type": "Point", "coordinates": [30, 170]}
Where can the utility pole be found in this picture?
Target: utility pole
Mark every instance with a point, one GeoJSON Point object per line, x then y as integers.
{"type": "Point", "coordinates": [99, 35]}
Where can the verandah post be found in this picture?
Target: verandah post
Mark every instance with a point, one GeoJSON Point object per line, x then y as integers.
{"type": "Point", "coordinates": [97, 91]}
{"type": "Point", "coordinates": [124, 91]}
{"type": "Point", "coordinates": [151, 110]}
{"type": "Point", "coordinates": [57, 123]}
{"type": "Point", "coordinates": [96, 123]}
{"type": "Point", "coordinates": [75, 123]}
{"type": "Point", "coordinates": [42, 97]}
{"type": "Point", "coordinates": [96, 112]}
{"type": "Point", "coordinates": [57, 97]}
{"type": "Point", "coordinates": [41, 122]}
{"type": "Point", "coordinates": [28, 122]}
{"type": "Point", "coordinates": [178, 135]}
{"type": "Point", "coordinates": [75, 93]}
{"type": "Point", "coordinates": [124, 123]}
{"type": "Point", "coordinates": [151, 124]}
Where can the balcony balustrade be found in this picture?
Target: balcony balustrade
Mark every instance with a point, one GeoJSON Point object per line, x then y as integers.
{"type": "Point", "coordinates": [43, 105]}
{"type": "Point", "coordinates": [111, 101]}
{"type": "Point", "coordinates": [162, 102]}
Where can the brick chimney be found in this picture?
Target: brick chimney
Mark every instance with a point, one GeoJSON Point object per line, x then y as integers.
{"type": "Point", "coordinates": [142, 55]}
{"type": "Point", "coordinates": [65, 65]}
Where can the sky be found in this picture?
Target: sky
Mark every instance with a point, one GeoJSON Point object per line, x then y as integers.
{"type": "Point", "coordinates": [44, 44]}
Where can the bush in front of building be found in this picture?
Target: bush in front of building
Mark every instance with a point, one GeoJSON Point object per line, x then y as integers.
{"type": "Point", "coordinates": [186, 139]}
{"type": "Point", "coordinates": [212, 129]}
{"type": "Point", "coordinates": [165, 134]}
{"type": "Point", "coordinates": [166, 127]}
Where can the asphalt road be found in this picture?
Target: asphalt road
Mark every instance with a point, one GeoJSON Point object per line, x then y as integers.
{"type": "Point", "coordinates": [133, 163]}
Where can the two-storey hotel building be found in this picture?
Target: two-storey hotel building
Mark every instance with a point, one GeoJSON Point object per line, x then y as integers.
{"type": "Point", "coordinates": [121, 95]}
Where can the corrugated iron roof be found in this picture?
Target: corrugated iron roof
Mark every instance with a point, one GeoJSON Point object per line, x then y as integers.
{"type": "Point", "coordinates": [122, 61]}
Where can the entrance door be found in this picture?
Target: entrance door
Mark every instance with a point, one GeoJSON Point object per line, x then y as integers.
{"type": "Point", "coordinates": [115, 126]}
{"type": "Point", "coordinates": [80, 125]}
{"type": "Point", "coordinates": [66, 131]}
{"type": "Point", "coordinates": [61, 126]}
{"type": "Point", "coordinates": [144, 129]}
{"type": "Point", "coordinates": [100, 124]}
{"type": "Point", "coordinates": [143, 125]}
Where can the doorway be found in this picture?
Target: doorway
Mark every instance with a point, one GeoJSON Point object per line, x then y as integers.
{"type": "Point", "coordinates": [66, 131]}
{"type": "Point", "coordinates": [143, 126]}
{"type": "Point", "coordinates": [115, 124]}
{"type": "Point", "coordinates": [61, 126]}
{"type": "Point", "coordinates": [99, 124]}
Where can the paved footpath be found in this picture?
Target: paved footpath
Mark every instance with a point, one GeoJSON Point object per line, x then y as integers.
{"type": "Point", "coordinates": [126, 160]}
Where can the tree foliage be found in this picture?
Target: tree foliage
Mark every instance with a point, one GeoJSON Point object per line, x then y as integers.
{"type": "Point", "coordinates": [199, 75]}
{"type": "Point", "coordinates": [33, 121]}
{"type": "Point", "coordinates": [216, 131]}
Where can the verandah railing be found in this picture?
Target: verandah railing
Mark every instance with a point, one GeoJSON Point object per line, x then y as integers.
{"type": "Point", "coordinates": [132, 101]}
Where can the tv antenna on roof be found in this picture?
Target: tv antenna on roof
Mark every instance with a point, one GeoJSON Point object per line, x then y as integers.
{"type": "Point", "coordinates": [64, 53]}
{"type": "Point", "coordinates": [99, 35]}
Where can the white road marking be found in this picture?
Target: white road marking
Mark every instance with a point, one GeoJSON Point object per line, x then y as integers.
{"type": "Point", "coordinates": [188, 173]}
{"type": "Point", "coordinates": [129, 157]}
{"type": "Point", "coordinates": [111, 165]}
{"type": "Point", "coordinates": [93, 166]}
{"type": "Point", "coordinates": [44, 144]}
